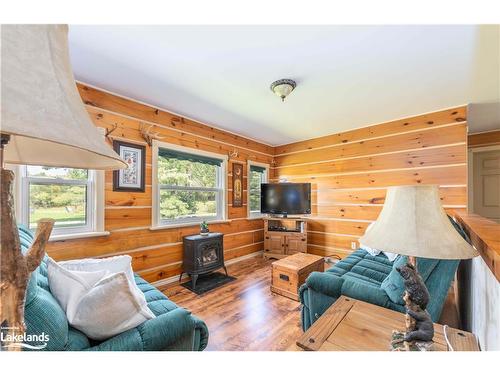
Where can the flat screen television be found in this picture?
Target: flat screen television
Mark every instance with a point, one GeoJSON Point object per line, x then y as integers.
{"type": "Point", "coordinates": [285, 199]}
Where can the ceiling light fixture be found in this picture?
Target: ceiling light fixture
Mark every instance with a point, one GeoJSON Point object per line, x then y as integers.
{"type": "Point", "coordinates": [283, 87]}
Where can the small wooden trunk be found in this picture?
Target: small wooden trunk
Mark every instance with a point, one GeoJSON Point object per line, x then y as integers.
{"type": "Point", "coordinates": [289, 273]}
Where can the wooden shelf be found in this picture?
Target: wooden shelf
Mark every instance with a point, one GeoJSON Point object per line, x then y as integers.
{"type": "Point", "coordinates": [485, 236]}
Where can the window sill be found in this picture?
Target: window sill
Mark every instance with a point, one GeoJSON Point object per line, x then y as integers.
{"type": "Point", "coordinates": [256, 217]}
{"type": "Point", "coordinates": [73, 236]}
{"type": "Point", "coordinates": [182, 225]}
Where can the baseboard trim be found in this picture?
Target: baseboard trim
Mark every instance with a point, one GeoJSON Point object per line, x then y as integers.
{"type": "Point", "coordinates": [175, 279]}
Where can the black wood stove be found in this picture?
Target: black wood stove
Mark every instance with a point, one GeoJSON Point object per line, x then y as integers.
{"type": "Point", "coordinates": [202, 254]}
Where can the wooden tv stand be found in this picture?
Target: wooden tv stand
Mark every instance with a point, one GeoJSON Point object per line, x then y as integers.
{"type": "Point", "coordinates": [284, 236]}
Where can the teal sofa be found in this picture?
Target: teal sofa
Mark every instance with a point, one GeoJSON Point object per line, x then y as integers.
{"type": "Point", "coordinates": [374, 279]}
{"type": "Point", "coordinates": [174, 328]}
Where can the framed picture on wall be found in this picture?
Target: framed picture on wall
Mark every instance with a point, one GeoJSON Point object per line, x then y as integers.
{"type": "Point", "coordinates": [237, 185]}
{"type": "Point", "coordinates": [131, 178]}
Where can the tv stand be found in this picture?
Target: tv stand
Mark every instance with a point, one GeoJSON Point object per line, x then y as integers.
{"type": "Point", "coordinates": [284, 236]}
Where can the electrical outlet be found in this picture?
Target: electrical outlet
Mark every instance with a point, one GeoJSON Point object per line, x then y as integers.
{"type": "Point", "coordinates": [354, 245]}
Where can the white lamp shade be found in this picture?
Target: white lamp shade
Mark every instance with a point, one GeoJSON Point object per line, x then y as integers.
{"type": "Point", "coordinates": [414, 223]}
{"type": "Point", "coordinates": [41, 108]}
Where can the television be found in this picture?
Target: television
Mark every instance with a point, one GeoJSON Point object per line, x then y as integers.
{"type": "Point", "coordinates": [285, 199]}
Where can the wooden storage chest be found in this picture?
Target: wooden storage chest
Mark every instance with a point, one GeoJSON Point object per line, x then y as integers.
{"type": "Point", "coordinates": [289, 273]}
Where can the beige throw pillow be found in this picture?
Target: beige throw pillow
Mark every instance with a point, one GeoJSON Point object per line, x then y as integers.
{"type": "Point", "coordinates": [99, 296]}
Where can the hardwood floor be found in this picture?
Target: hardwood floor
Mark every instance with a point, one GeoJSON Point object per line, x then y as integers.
{"type": "Point", "coordinates": [244, 314]}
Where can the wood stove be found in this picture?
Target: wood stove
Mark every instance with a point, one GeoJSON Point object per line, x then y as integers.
{"type": "Point", "coordinates": [202, 254]}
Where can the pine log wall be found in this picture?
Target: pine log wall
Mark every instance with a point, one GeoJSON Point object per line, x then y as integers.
{"type": "Point", "coordinates": [350, 172]}
{"type": "Point", "coordinates": [157, 254]}
{"type": "Point", "coordinates": [490, 138]}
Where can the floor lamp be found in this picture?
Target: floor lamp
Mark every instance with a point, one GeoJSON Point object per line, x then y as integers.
{"type": "Point", "coordinates": [43, 122]}
{"type": "Point", "coordinates": [414, 223]}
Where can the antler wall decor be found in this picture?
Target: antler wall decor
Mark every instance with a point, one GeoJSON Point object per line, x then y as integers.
{"type": "Point", "coordinates": [233, 154]}
{"type": "Point", "coordinates": [109, 131]}
{"type": "Point", "coordinates": [147, 135]}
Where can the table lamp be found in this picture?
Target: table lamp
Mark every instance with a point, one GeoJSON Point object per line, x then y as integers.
{"type": "Point", "coordinates": [43, 122]}
{"type": "Point", "coordinates": [414, 223]}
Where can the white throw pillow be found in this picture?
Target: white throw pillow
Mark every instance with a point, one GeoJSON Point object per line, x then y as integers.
{"type": "Point", "coordinates": [99, 296]}
{"type": "Point", "coordinates": [390, 256]}
{"type": "Point", "coordinates": [369, 250]}
{"type": "Point", "coordinates": [120, 263]}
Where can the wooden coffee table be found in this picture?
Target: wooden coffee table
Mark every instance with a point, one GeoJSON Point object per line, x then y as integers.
{"type": "Point", "coordinates": [352, 325]}
{"type": "Point", "coordinates": [289, 273]}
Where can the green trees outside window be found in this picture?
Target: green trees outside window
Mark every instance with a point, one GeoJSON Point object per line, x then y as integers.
{"type": "Point", "coordinates": [257, 176]}
{"type": "Point", "coordinates": [57, 193]}
{"type": "Point", "coordinates": [188, 188]}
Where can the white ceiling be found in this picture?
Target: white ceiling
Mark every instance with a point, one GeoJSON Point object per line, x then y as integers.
{"type": "Point", "coordinates": [348, 76]}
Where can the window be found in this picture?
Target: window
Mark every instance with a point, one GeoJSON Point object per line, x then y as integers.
{"type": "Point", "coordinates": [189, 186]}
{"type": "Point", "coordinates": [257, 174]}
{"type": "Point", "coordinates": [69, 196]}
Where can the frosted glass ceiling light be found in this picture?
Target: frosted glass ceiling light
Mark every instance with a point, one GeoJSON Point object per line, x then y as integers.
{"type": "Point", "coordinates": [283, 87]}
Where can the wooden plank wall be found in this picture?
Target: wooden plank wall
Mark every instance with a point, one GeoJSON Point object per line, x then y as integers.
{"type": "Point", "coordinates": [350, 172]}
{"type": "Point", "coordinates": [491, 138]}
{"type": "Point", "coordinates": [158, 254]}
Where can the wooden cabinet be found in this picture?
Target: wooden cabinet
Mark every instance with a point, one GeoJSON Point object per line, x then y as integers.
{"type": "Point", "coordinates": [276, 243]}
{"type": "Point", "coordinates": [283, 237]}
{"type": "Point", "coordinates": [296, 244]}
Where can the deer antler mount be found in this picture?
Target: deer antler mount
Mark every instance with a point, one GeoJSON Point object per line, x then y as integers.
{"type": "Point", "coordinates": [233, 154]}
{"type": "Point", "coordinates": [147, 135]}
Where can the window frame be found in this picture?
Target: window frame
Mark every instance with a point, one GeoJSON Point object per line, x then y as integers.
{"type": "Point", "coordinates": [94, 202]}
{"type": "Point", "coordinates": [250, 163]}
{"type": "Point", "coordinates": [221, 190]}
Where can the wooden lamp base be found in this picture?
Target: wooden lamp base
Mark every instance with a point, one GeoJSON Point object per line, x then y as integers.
{"type": "Point", "coordinates": [15, 268]}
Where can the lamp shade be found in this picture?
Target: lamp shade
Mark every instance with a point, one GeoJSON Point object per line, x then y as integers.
{"type": "Point", "coordinates": [41, 108]}
{"type": "Point", "coordinates": [414, 223]}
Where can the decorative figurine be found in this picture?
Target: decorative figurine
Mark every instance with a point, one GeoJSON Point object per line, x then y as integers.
{"type": "Point", "coordinates": [419, 325]}
{"type": "Point", "coordinates": [204, 228]}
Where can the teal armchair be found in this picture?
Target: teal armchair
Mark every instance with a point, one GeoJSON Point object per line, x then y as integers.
{"type": "Point", "coordinates": [174, 328]}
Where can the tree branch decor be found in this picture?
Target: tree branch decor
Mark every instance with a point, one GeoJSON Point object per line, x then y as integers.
{"type": "Point", "coordinates": [16, 268]}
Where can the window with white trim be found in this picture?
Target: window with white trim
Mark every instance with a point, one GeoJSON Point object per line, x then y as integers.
{"type": "Point", "coordinates": [67, 195]}
{"type": "Point", "coordinates": [190, 186]}
{"type": "Point", "coordinates": [257, 174]}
